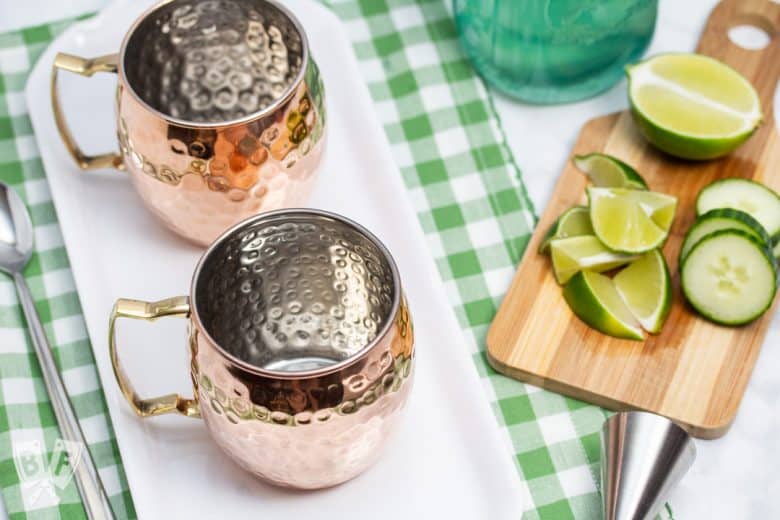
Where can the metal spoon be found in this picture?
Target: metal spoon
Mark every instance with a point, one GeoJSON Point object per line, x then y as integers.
{"type": "Point", "coordinates": [16, 246]}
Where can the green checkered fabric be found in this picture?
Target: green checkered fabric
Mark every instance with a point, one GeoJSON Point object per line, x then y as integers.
{"type": "Point", "coordinates": [471, 204]}
{"type": "Point", "coordinates": [477, 218]}
{"type": "Point", "coordinates": [26, 416]}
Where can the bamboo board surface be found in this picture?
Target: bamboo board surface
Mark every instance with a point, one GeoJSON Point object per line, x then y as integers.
{"type": "Point", "coordinates": [694, 372]}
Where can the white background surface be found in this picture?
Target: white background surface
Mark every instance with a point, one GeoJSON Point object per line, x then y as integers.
{"type": "Point", "coordinates": [735, 477]}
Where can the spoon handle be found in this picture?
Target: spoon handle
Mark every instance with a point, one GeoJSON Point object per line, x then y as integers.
{"type": "Point", "coordinates": [85, 473]}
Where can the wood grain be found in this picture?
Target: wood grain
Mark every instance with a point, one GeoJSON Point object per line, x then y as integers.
{"type": "Point", "coordinates": [694, 372]}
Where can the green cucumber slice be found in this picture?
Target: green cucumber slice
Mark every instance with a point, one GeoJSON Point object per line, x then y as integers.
{"type": "Point", "coordinates": [722, 218]}
{"type": "Point", "coordinates": [729, 277]}
{"type": "Point", "coordinates": [752, 197]}
{"type": "Point", "coordinates": [776, 251]}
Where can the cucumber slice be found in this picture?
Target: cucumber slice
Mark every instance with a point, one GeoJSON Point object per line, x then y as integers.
{"type": "Point", "coordinates": [729, 277]}
{"type": "Point", "coordinates": [752, 197]}
{"type": "Point", "coordinates": [776, 251]}
{"type": "Point", "coordinates": [722, 218]}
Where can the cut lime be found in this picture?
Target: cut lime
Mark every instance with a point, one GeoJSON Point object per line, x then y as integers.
{"type": "Point", "coordinates": [609, 172]}
{"type": "Point", "coordinates": [573, 222]}
{"type": "Point", "coordinates": [692, 106]}
{"type": "Point", "coordinates": [574, 254]}
{"type": "Point", "coordinates": [594, 299]}
{"type": "Point", "coordinates": [646, 288]}
{"type": "Point", "coordinates": [631, 221]}
{"type": "Point", "coordinates": [661, 208]}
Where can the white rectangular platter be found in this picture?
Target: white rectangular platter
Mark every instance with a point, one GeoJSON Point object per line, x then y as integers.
{"type": "Point", "coordinates": [449, 460]}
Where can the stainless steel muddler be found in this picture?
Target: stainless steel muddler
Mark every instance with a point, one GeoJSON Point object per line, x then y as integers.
{"type": "Point", "coordinates": [643, 456]}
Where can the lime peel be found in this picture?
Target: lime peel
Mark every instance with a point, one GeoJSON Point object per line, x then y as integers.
{"type": "Point", "coordinates": [646, 288]}
{"type": "Point", "coordinates": [573, 222]}
{"type": "Point", "coordinates": [609, 172]}
{"type": "Point", "coordinates": [595, 300]}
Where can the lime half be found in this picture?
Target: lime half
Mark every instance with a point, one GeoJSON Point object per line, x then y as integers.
{"type": "Point", "coordinates": [692, 106]}
{"type": "Point", "coordinates": [646, 288]}
{"type": "Point", "coordinates": [609, 172]}
{"type": "Point", "coordinates": [574, 254]}
{"type": "Point", "coordinates": [573, 222]}
{"type": "Point", "coordinates": [631, 221]}
{"type": "Point", "coordinates": [595, 300]}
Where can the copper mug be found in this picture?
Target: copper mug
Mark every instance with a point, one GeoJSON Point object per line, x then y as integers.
{"type": "Point", "coordinates": [301, 347]}
{"type": "Point", "coordinates": [220, 112]}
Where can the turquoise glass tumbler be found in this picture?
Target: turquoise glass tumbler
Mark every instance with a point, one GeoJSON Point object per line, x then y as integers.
{"type": "Point", "coordinates": [554, 51]}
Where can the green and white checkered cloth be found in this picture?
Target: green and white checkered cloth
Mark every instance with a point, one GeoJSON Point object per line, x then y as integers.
{"type": "Point", "coordinates": [471, 204]}
{"type": "Point", "coordinates": [25, 413]}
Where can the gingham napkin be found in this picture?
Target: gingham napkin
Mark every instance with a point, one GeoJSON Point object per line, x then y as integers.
{"type": "Point", "coordinates": [28, 430]}
{"type": "Point", "coordinates": [472, 207]}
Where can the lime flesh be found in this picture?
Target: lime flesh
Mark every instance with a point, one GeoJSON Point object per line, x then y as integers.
{"type": "Point", "coordinates": [573, 222]}
{"type": "Point", "coordinates": [609, 172]}
{"type": "Point", "coordinates": [574, 254]}
{"type": "Point", "coordinates": [646, 288]}
{"type": "Point", "coordinates": [595, 300]}
{"type": "Point", "coordinates": [692, 106]}
{"type": "Point", "coordinates": [631, 221]}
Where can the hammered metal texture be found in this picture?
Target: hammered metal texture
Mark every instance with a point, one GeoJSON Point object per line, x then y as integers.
{"type": "Point", "coordinates": [197, 177]}
{"type": "Point", "coordinates": [213, 60]}
{"type": "Point", "coordinates": [278, 274]}
{"type": "Point", "coordinates": [295, 293]}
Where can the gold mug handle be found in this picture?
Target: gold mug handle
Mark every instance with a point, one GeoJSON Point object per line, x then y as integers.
{"type": "Point", "coordinates": [85, 67]}
{"type": "Point", "coordinates": [149, 311]}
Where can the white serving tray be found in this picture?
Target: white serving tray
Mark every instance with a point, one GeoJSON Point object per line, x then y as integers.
{"type": "Point", "coordinates": [449, 458]}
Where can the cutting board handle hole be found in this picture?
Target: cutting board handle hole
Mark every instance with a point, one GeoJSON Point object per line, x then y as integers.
{"type": "Point", "coordinates": [751, 32]}
{"type": "Point", "coordinates": [749, 37]}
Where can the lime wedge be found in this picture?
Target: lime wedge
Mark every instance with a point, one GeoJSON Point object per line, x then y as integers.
{"type": "Point", "coordinates": [692, 106]}
{"type": "Point", "coordinates": [574, 254]}
{"type": "Point", "coordinates": [609, 172]}
{"type": "Point", "coordinates": [630, 221]}
{"type": "Point", "coordinates": [660, 206]}
{"type": "Point", "coordinates": [573, 222]}
{"type": "Point", "coordinates": [594, 299]}
{"type": "Point", "coordinates": [646, 288]}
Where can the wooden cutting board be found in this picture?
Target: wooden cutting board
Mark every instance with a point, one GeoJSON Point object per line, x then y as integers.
{"type": "Point", "coordinates": [694, 372]}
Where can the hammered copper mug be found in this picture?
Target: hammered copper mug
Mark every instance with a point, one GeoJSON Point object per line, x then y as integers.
{"type": "Point", "coordinates": [220, 112]}
{"type": "Point", "coordinates": [301, 347]}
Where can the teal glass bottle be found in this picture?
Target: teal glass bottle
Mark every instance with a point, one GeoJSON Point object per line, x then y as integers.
{"type": "Point", "coordinates": [554, 51]}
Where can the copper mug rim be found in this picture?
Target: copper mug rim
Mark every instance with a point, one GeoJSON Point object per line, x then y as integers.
{"type": "Point", "coordinates": [279, 101]}
{"type": "Point", "coordinates": [299, 374]}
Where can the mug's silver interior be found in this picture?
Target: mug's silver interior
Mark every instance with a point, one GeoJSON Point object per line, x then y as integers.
{"type": "Point", "coordinates": [213, 60]}
{"type": "Point", "coordinates": [295, 291]}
